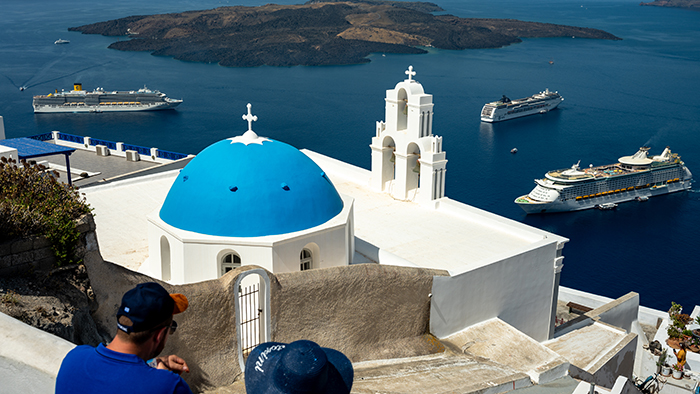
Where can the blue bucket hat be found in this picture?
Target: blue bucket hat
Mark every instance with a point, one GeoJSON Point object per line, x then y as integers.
{"type": "Point", "coordinates": [299, 367]}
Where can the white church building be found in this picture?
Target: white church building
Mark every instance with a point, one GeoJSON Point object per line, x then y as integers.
{"type": "Point", "coordinates": [250, 200]}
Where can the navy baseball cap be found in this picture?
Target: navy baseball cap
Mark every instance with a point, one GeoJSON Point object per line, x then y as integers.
{"type": "Point", "coordinates": [147, 305]}
{"type": "Point", "coordinates": [299, 367]}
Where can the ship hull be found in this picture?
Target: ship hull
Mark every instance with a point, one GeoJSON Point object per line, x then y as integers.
{"type": "Point", "coordinates": [533, 207]}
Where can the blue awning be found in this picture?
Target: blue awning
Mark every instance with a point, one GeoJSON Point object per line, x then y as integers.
{"type": "Point", "coordinates": [28, 148]}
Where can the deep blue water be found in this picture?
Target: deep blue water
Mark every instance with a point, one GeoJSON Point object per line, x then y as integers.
{"type": "Point", "coordinates": [619, 95]}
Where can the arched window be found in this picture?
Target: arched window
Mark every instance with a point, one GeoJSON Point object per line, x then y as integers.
{"type": "Point", "coordinates": [305, 260]}
{"type": "Point", "coordinates": [402, 116]}
{"type": "Point", "coordinates": [229, 261]}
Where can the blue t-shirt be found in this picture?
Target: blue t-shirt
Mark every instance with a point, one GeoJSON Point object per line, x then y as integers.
{"type": "Point", "coordinates": [89, 370]}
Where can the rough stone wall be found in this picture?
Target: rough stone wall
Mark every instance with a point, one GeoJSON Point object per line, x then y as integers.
{"type": "Point", "coordinates": [206, 336]}
{"type": "Point", "coordinates": [55, 300]}
{"type": "Point", "coordinates": [34, 253]}
{"type": "Point", "coordinates": [25, 255]}
{"type": "Point", "coordinates": [368, 312]}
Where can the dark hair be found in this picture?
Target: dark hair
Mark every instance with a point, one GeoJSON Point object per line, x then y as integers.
{"type": "Point", "coordinates": [139, 338]}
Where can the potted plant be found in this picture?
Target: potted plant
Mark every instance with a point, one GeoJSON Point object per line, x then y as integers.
{"type": "Point", "coordinates": [677, 371]}
{"type": "Point", "coordinates": [665, 370]}
{"type": "Point", "coordinates": [677, 328]}
{"type": "Point", "coordinates": [661, 362]}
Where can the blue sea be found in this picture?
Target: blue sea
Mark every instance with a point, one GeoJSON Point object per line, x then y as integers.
{"type": "Point", "coordinates": [619, 95]}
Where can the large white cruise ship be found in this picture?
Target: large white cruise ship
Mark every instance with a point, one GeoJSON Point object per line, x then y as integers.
{"type": "Point", "coordinates": [99, 100]}
{"type": "Point", "coordinates": [506, 108]}
{"type": "Point", "coordinates": [633, 177]}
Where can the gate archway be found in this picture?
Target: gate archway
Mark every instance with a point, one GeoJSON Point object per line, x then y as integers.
{"type": "Point", "coordinates": [252, 301]}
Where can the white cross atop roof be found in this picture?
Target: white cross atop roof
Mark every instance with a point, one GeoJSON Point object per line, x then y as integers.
{"type": "Point", "coordinates": [250, 118]}
{"type": "Point", "coordinates": [410, 73]}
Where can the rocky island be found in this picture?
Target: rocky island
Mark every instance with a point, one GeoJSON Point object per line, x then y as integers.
{"type": "Point", "coordinates": [689, 4]}
{"type": "Point", "coordinates": [317, 33]}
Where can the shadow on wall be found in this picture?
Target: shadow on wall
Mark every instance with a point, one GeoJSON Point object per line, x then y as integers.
{"type": "Point", "coordinates": [366, 311]}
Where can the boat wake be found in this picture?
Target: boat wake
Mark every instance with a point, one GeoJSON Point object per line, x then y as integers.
{"type": "Point", "coordinates": [28, 84]}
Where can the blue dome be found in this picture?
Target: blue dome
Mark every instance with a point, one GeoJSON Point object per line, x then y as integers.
{"type": "Point", "coordinates": [250, 189]}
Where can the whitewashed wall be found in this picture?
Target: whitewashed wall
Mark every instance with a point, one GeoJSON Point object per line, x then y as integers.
{"type": "Point", "coordinates": [518, 289]}
{"type": "Point", "coordinates": [329, 248]}
{"type": "Point", "coordinates": [195, 257]}
{"type": "Point", "coordinates": [9, 153]}
{"type": "Point", "coordinates": [29, 358]}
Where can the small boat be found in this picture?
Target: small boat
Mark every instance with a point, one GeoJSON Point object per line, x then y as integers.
{"type": "Point", "coordinates": [642, 198]}
{"type": "Point", "coordinates": [514, 150]}
{"type": "Point", "coordinates": [61, 41]}
{"type": "Point", "coordinates": [606, 206]}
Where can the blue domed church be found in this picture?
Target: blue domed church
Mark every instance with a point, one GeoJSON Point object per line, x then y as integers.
{"type": "Point", "coordinates": [249, 200]}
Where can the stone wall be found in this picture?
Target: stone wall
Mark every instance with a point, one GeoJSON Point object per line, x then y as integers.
{"type": "Point", "coordinates": [32, 254]}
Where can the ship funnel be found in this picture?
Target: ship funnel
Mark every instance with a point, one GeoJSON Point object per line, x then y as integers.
{"type": "Point", "coordinates": [641, 153]}
{"type": "Point", "coordinates": [77, 87]}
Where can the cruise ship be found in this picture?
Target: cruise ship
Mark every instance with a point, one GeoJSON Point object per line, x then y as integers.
{"type": "Point", "coordinates": [505, 108]}
{"type": "Point", "coordinates": [633, 177]}
{"type": "Point", "coordinates": [99, 100]}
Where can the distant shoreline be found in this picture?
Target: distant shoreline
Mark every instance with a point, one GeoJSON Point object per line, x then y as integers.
{"type": "Point", "coordinates": [328, 33]}
{"type": "Point", "coordinates": [687, 4]}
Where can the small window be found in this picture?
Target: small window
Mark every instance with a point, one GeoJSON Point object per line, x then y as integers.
{"type": "Point", "coordinates": [229, 262]}
{"type": "Point", "coordinates": [305, 259]}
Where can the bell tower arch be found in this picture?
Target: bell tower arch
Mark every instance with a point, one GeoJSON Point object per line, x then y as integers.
{"type": "Point", "coordinates": [411, 166]}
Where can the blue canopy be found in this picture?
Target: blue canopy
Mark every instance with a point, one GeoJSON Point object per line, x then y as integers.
{"type": "Point", "coordinates": [28, 148]}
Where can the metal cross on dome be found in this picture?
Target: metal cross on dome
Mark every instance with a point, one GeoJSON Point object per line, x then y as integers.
{"type": "Point", "coordinates": [410, 73]}
{"type": "Point", "coordinates": [250, 117]}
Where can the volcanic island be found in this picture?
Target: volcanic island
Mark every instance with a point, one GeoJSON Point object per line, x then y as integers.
{"type": "Point", "coordinates": [317, 33]}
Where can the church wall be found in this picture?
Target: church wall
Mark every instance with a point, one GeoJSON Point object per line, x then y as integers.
{"type": "Point", "coordinates": [332, 250]}
{"type": "Point", "coordinates": [203, 261]}
{"type": "Point", "coordinates": [518, 289]}
{"type": "Point", "coordinates": [197, 257]}
{"type": "Point", "coordinates": [179, 253]}
{"type": "Point", "coordinates": [152, 265]}
{"type": "Point", "coordinates": [177, 259]}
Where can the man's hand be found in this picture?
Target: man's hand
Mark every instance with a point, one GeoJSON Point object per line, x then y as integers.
{"type": "Point", "coordinates": [172, 363]}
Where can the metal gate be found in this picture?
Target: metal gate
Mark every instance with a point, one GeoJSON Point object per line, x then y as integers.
{"type": "Point", "coordinates": [249, 307]}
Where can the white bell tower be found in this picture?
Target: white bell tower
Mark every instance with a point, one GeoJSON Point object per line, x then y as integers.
{"type": "Point", "coordinates": [407, 159]}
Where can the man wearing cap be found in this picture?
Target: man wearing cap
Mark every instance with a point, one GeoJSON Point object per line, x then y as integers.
{"type": "Point", "coordinates": [298, 367]}
{"type": "Point", "coordinates": [129, 364]}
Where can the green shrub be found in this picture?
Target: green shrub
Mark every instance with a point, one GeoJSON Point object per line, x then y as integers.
{"type": "Point", "coordinates": [34, 202]}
